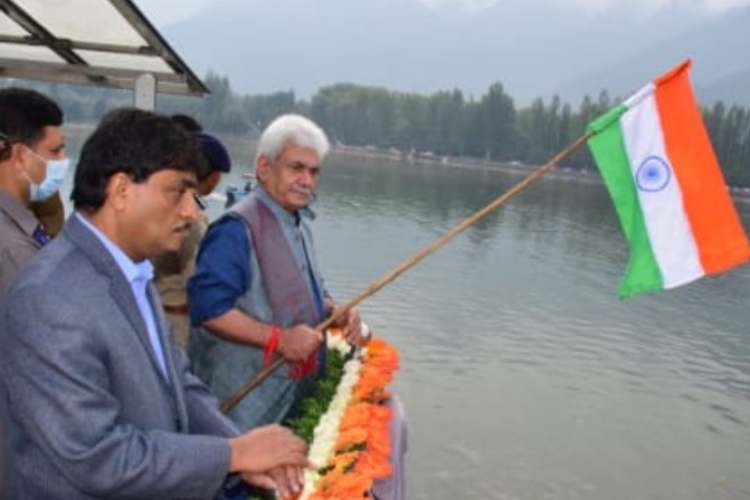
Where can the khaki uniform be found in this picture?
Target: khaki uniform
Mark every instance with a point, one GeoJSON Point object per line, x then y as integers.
{"type": "Point", "coordinates": [51, 213]}
{"type": "Point", "coordinates": [171, 274]}
{"type": "Point", "coordinates": [17, 243]}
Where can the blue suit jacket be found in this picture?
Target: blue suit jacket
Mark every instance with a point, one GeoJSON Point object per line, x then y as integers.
{"type": "Point", "coordinates": [90, 414]}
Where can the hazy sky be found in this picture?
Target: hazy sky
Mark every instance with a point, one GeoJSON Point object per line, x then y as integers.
{"type": "Point", "coordinates": [164, 12]}
{"type": "Point", "coordinates": [534, 47]}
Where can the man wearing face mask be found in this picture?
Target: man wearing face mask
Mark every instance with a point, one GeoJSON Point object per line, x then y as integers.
{"type": "Point", "coordinates": [101, 403]}
{"type": "Point", "coordinates": [32, 168]}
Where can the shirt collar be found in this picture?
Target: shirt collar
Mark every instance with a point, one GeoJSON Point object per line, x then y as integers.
{"type": "Point", "coordinates": [133, 271]}
{"type": "Point", "coordinates": [20, 214]}
{"type": "Point", "coordinates": [278, 210]}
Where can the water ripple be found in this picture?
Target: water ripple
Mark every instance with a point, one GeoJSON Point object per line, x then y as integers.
{"type": "Point", "coordinates": [520, 367]}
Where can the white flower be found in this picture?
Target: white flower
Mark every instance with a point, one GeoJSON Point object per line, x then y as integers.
{"type": "Point", "coordinates": [326, 432]}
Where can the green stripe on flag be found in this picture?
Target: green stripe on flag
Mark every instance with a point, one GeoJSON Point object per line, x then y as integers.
{"type": "Point", "coordinates": [608, 148]}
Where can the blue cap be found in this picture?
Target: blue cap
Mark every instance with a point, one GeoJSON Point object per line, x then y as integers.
{"type": "Point", "coordinates": [215, 152]}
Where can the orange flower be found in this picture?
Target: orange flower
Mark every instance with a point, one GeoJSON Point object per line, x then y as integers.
{"type": "Point", "coordinates": [365, 421]}
{"type": "Point", "coordinates": [343, 462]}
{"type": "Point", "coordinates": [377, 467]}
{"type": "Point", "coordinates": [351, 437]}
{"type": "Point", "coordinates": [357, 415]}
{"type": "Point", "coordinates": [381, 412]}
{"type": "Point", "coordinates": [351, 486]}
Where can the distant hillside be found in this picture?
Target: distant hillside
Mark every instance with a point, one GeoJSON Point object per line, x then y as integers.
{"type": "Point", "coordinates": [734, 88]}
{"type": "Point", "coordinates": [530, 46]}
{"type": "Point", "coordinates": [719, 48]}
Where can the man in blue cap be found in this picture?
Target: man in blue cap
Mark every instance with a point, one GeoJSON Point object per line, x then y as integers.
{"type": "Point", "coordinates": [173, 270]}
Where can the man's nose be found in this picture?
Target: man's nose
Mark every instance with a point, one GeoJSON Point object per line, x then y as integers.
{"type": "Point", "coordinates": [307, 178]}
{"type": "Point", "coordinates": [189, 207]}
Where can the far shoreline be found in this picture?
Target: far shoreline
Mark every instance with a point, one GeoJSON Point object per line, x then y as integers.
{"type": "Point", "coordinates": [739, 194]}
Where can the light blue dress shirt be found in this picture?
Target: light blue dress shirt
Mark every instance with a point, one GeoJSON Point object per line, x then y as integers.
{"type": "Point", "coordinates": [138, 275]}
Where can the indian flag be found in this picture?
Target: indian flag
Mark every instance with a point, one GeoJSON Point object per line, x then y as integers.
{"type": "Point", "coordinates": [658, 164]}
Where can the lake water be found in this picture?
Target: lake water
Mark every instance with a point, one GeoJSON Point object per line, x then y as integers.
{"type": "Point", "coordinates": [523, 375]}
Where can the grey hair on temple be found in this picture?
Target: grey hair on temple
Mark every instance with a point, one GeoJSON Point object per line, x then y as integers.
{"type": "Point", "coordinates": [291, 129]}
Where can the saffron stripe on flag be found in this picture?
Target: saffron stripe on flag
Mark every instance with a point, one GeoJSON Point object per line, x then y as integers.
{"type": "Point", "coordinates": [721, 240]}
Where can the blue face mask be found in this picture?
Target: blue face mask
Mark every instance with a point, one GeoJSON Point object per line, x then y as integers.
{"type": "Point", "coordinates": [56, 170]}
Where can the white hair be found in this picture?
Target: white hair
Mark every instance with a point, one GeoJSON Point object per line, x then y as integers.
{"type": "Point", "coordinates": [291, 129]}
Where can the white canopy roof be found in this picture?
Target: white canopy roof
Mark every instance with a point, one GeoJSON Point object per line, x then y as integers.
{"type": "Point", "coordinates": [98, 42]}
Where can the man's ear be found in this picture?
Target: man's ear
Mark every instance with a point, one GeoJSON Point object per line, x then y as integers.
{"type": "Point", "coordinates": [119, 191]}
{"type": "Point", "coordinates": [263, 168]}
{"type": "Point", "coordinates": [16, 153]}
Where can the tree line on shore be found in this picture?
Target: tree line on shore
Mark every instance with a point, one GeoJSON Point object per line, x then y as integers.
{"type": "Point", "coordinates": [445, 123]}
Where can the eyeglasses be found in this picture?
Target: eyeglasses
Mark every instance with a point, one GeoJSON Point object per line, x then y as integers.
{"type": "Point", "coordinates": [199, 201]}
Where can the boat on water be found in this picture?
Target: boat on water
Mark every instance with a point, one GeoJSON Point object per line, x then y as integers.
{"type": "Point", "coordinates": [235, 193]}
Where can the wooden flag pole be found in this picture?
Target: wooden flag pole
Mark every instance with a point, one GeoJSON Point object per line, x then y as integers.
{"type": "Point", "coordinates": [259, 377]}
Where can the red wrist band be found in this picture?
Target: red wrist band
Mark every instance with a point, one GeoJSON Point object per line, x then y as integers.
{"type": "Point", "coordinates": [272, 344]}
{"type": "Point", "coordinates": [301, 369]}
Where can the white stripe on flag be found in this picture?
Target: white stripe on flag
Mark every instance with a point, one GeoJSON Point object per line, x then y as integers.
{"type": "Point", "coordinates": [659, 193]}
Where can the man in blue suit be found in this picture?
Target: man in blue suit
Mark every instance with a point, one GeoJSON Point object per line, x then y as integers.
{"type": "Point", "coordinates": [101, 403]}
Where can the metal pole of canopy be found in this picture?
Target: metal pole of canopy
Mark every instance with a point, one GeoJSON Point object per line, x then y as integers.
{"type": "Point", "coordinates": [144, 92]}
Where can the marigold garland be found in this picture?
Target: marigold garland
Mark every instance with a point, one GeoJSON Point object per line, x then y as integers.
{"type": "Point", "coordinates": [351, 443]}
